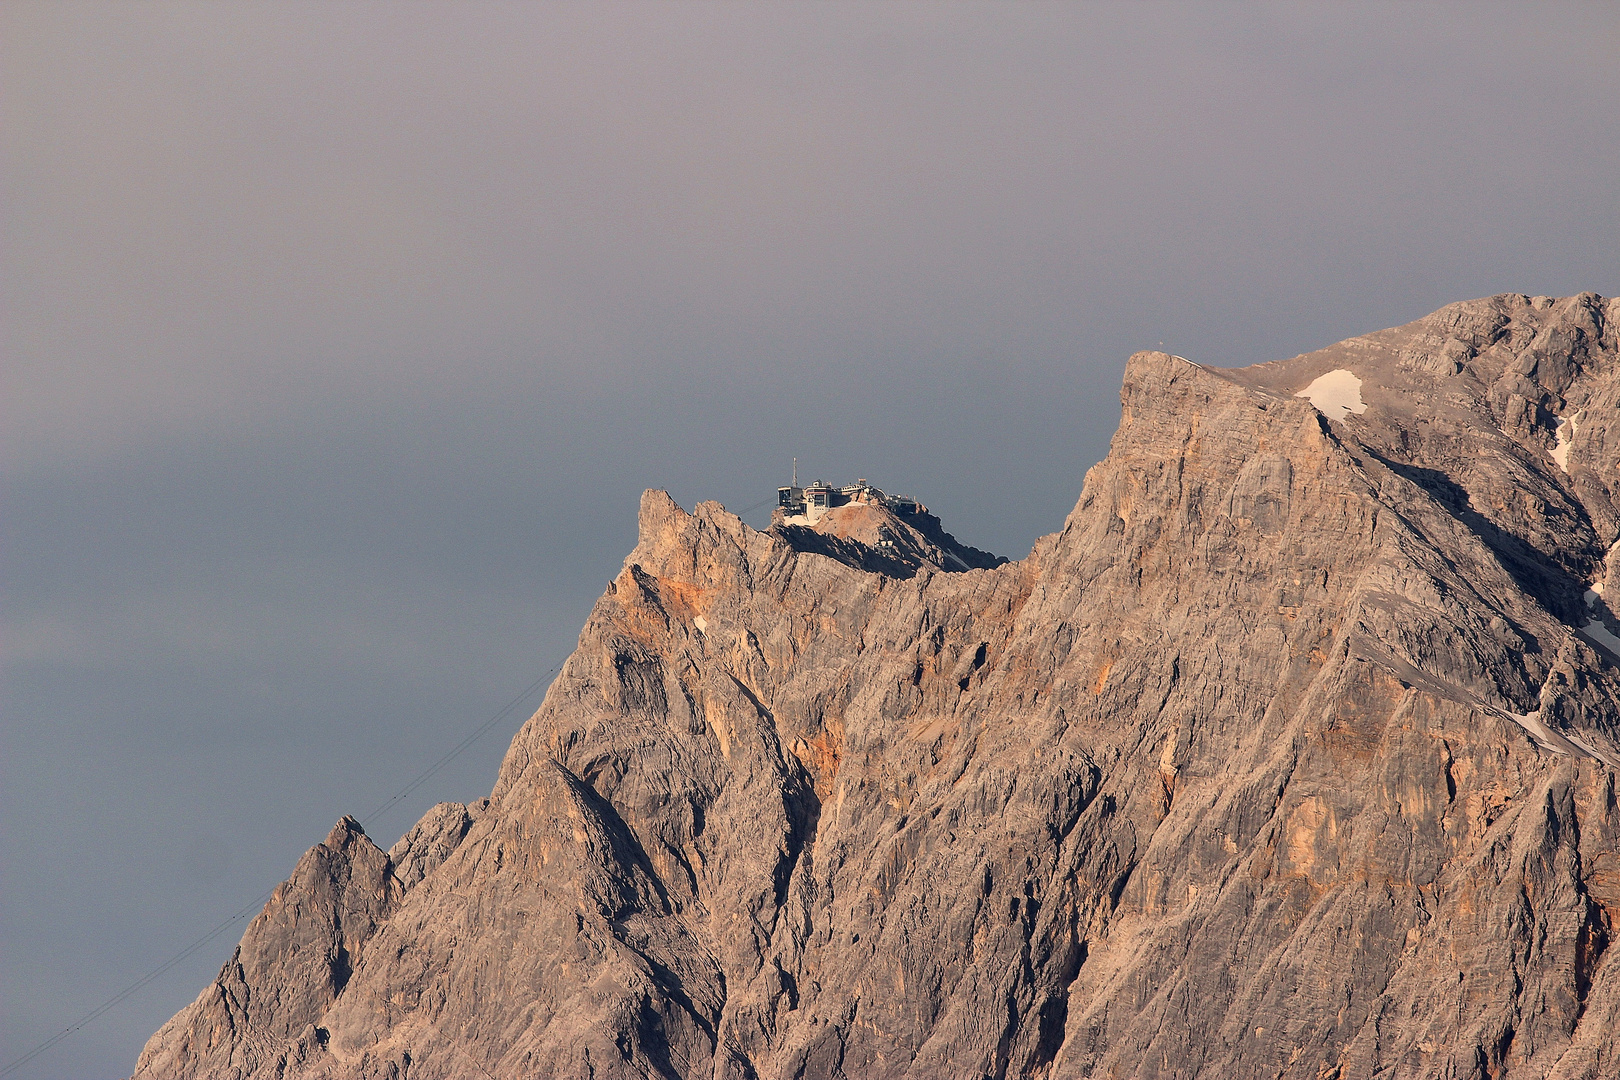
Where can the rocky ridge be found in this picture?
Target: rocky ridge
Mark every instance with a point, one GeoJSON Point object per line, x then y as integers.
{"type": "Point", "coordinates": [869, 536]}
{"type": "Point", "coordinates": [1290, 755]}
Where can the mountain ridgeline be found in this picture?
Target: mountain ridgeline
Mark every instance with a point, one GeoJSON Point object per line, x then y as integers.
{"type": "Point", "coordinates": [1292, 755]}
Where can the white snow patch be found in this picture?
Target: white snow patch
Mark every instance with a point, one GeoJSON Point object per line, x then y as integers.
{"type": "Point", "coordinates": [1536, 728]}
{"type": "Point", "coordinates": [701, 623]}
{"type": "Point", "coordinates": [1334, 394]}
{"type": "Point", "coordinates": [1545, 737]}
{"type": "Point", "coordinates": [1602, 635]}
{"type": "Point", "coordinates": [1560, 742]}
{"type": "Point", "coordinates": [1593, 752]}
{"type": "Point", "coordinates": [1594, 628]}
{"type": "Point", "coordinates": [1568, 428]}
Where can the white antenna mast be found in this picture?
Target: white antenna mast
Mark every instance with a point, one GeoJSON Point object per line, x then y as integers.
{"type": "Point", "coordinates": [795, 472]}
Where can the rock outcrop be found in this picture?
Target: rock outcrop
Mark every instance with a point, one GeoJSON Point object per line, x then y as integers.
{"type": "Point", "coordinates": [1291, 755]}
{"type": "Point", "coordinates": [870, 536]}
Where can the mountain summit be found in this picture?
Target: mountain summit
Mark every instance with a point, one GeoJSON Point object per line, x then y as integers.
{"type": "Point", "coordinates": [865, 528]}
{"type": "Point", "coordinates": [1291, 755]}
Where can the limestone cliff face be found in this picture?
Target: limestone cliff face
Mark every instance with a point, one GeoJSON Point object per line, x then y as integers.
{"type": "Point", "coordinates": [869, 536]}
{"type": "Point", "coordinates": [1290, 755]}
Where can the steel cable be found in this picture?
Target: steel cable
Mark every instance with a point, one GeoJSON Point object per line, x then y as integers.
{"type": "Point", "coordinates": [250, 908]}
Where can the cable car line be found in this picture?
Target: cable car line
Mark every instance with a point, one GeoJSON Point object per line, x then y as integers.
{"type": "Point", "coordinates": [248, 909]}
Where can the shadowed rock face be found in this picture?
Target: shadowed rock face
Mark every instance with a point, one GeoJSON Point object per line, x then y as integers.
{"type": "Point", "coordinates": [871, 537]}
{"type": "Point", "coordinates": [1285, 757]}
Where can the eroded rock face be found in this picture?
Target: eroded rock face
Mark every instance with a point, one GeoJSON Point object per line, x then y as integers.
{"type": "Point", "coordinates": [873, 537]}
{"type": "Point", "coordinates": [1290, 755]}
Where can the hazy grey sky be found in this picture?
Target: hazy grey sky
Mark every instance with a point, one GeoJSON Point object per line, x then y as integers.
{"type": "Point", "coordinates": [340, 340]}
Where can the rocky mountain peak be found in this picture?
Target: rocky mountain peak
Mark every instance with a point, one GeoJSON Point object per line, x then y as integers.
{"type": "Point", "coordinates": [1291, 754]}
